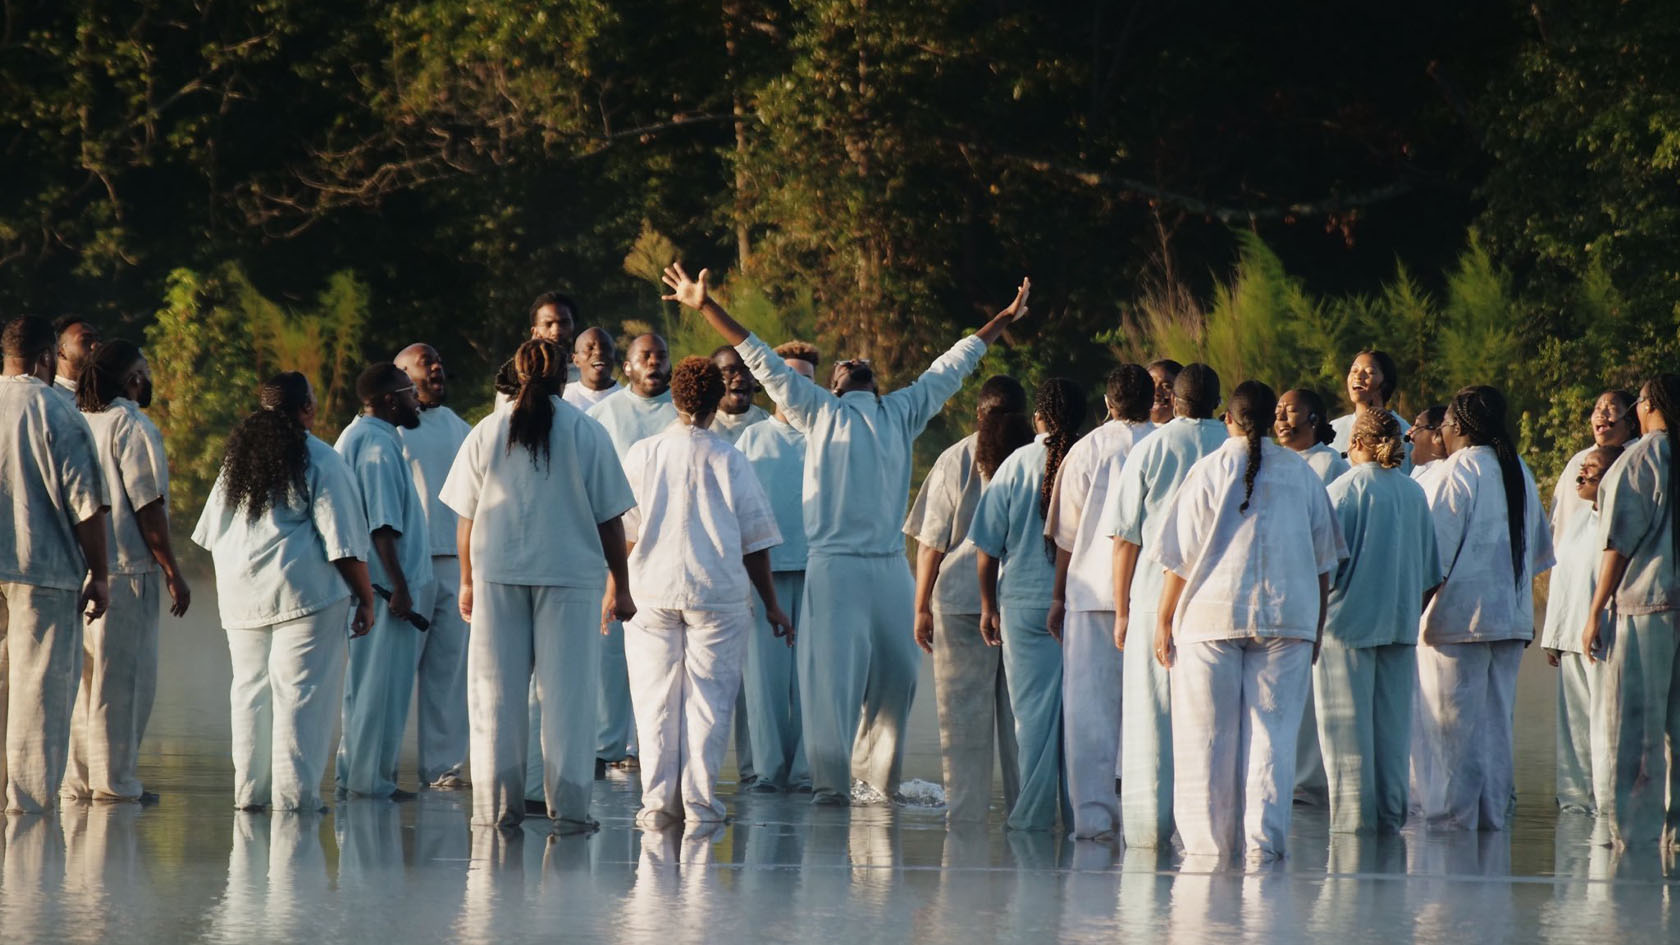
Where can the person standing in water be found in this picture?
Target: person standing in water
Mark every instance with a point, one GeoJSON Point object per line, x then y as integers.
{"type": "Point", "coordinates": [1372, 379]}
{"type": "Point", "coordinates": [593, 356]}
{"type": "Point", "coordinates": [737, 412]}
{"type": "Point", "coordinates": [1425, 440]}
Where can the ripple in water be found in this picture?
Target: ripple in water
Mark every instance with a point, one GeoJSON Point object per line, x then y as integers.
{"type": "Point", "coordinates": [912, 792]}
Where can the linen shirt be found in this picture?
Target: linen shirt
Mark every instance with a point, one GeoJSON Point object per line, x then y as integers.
{"type": "Point", "coordinates": [1149, 479]}
{"type": "Point", "coordinates": [536, 523]}
{"type": "Point", "coordinates": [1328, 463]}
{"type": "Point", "coordinates": [776, 452]}
{"type": "Point", "coordinates": [1419, 473]}
{"type": "Point", "coordinates": [699, 511]}
{"type": "Point", "coordinates": [583, 398]}
{"type": "Point", "coordinates": [1254, 573]}
{"type": "Point", "coordinates": [1636, 518]}
{"type": "Point", "coordinates": [940, 518]}
{"type": "Point", "coordinates": [1481, 601]}
{"type": "Point", "coordinates": [730, 426]}
{"type": "Point", "coordinates": [857, 445]}
{"type": "Point", "coordinates": [1008, 526]}
{"type": "Point", "coordinates": [279, 567]}
{"type": "Point", "coordinates": [389, 500]}
{"type": "Point", "coordinates": [1377, 596]}
{"type": "Point", "coordinates": [50, 482]}
{"type": "Point", "coordinates": [632, 417]}
{"type": "Point", "coordinates": [430, 450]}
{"type": "Point", "coordinates": [135, 473]}
{"type": "Point", "coordinates": [1580, 552]}
{"type": "Point", "coordinates": [1087, 474]}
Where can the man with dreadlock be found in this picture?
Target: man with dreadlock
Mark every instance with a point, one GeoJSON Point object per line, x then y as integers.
{"type": "Point", "coordinates": [1133, 516]}
{"type": "Point", "coordinates": [540, 495]}
{"type": "Point", "coordinates": [53, 566]}
{"type": "Point", "coordinates": [1008, 533]}
{"type": "Point", "coordinates": [1493, 538]}
{"type": "Point", "coordinates": [1249, 547]}
{"type": "Point", "coordinates": [1082, 603]}
{"type": "Point", "coordinates": [1639, 524]}
{"type": "Point", "coordinates": [857, 666]}
{"type": "Point", "coordinates": [284, 526]}
{"type": "Point", "coordinates": [119, 668]}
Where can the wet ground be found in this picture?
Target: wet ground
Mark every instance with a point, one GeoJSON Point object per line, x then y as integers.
{"type": "Point", "coordinates": [191, 869]}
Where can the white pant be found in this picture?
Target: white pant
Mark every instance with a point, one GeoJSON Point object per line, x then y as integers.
{"type": "Point", "coordinates": [1091, 693]}
{"type": "Point", "coordinates": [119, 682]}
{"type": "Point", "coordinates": [378, 684]}
{"type": "Point", "coordinates": [771, 691]}
{"type": "Point", "coordinates": [1236, 713]}
{"type": "Point", "coordinates": [1467, 694]}
{"type": "Point", "coordinates": [441, 680]}
{"type": "Point", "coordinates": [1146, 765]}
{"type": "Point", "coordinates": [522, 632]}
{"type": "Point", "coordinates": [972, 692]}
{"type": "Point", "coordinates": [286, 691]}
{"type": "Point", "coordinates": [685, 672]}
{"type": "Point", "coordinates": [857, 661]}
{"type": "Point", "coordinates": [40, 662]}
{"type": "Point", "coordinates": [1636, 790]}
{"type": "Point", "coordinates": [1581, 745]}
{"type": "Point", "coordinates": [1364, 721]}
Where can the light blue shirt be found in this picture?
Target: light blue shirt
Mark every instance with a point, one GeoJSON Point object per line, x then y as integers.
{"type": "Point", "coordinates": [49, 483]}
{"type": "Point", "coordinates": [389, 500]}
{"type": "Point", "coordinates": [279, 567]}
{"type": "Point", "coordinates": [1008, 526]}
{"type": "Point", "coordinates": [1377, 596]}
{"type": "Point", "coordinates": [1328, 463]}
{"type": "Point", "coordinates": [629, 417]}
{"type": "Point", "coordinates": [1149, 482]}
{"type": "Point", "coordinates": [857, 445]}
{"type": "Point", "coordinates": [939, 519]}
{"type": "Point", "coordinates": [776, 452]}
{"type": "Point", "coordinates": [730, 426]}
{"type": "Point", "coordinates": [430, 449]}
{"type": "Point", "coordinates": [1343, 425]}
{"type": "Point", "coordinates": [1636, 518]}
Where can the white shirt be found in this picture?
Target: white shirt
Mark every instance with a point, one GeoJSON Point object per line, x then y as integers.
{"type": "Point", "coordinates": [1328, 463]}
{"type": "Point", "coordinates": [1343, 425]}
{"type": "Point", "coordinates": [49, 483]}
{"type": "Point", "coordinates": [583, 398]}
{"type": "Point", "coordinates": [535, 523]}
{"type": "Point", "coordinates": [631, 417]}
{"type": "Point", "coordinates": [389, 500]}
{"type": "Point", "coordinates": [1087, 473]}
{"type": "Point", "coordinates": [136, 474]}
{"type": "Point", "coordinates": [1481, 601]}
{"type": "Point", "coordinates": [776, 452]}
{"type": "Point", "coordinates": [279, 567]}
{"type": "Point", "coordinates": [1419, 473]}
{"type": "Point", "coordinates": [730, 426]}
{"type": "Point", "coordinates": [940, 517]}
{"type": "Point", "coordinates": [65, 385]}
{"type": "Point", "coordinates": [699, 510]}
{"type": "Point", "coordinates": [1636, 519]}
{"type": "Point", "coordinates": [1254, 573]}
{"type": "Point", "coordinates": [430, 449]}
{"type": "Point", "coordinates": [857, 445]}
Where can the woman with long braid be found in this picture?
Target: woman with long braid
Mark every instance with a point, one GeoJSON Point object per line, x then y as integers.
{"type": "Point", "coordinates": [284, 526]}
{"type": "Point", "coordinates": [540, 495]}
{"type": "Point", "coordinates": [968, 678]}
{"type": "Point", "coordinates": [1640, 530]}
{"type": "Point", "coordinates": [1008, 533]}
{"type": "Point", "coordinates": [1491, 531]}
{"type": "Point", "coordinates": [1249, 547]}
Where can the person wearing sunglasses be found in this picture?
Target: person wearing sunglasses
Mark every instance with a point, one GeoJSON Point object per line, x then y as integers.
{"type": "Point", "coordinates": [1425, 440]}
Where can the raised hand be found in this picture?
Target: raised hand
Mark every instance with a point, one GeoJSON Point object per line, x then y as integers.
{"type": "Point", "coordinates": [1017, 309]}
{"type": "Point", "coordinates": [684, 290]}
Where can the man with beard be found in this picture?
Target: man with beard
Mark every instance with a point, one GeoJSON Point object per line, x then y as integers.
{"type": "Point", "coordinates": [737, 411]}
{"type": "Point", "coordinates": [380, 675]}
{"type": "Point", "coordinates": [119, 662]}
{"type": "Point", "coordinates": [442, 669]}
{"type": "Point", "coordinates": [1163, 372]}
{"type": "Point", "coordinates": [592, 359]}
{"type": "Point", "coordinates": [639, 411]}
{"type": "Point", "coordinates": [78, 339]}
{"type": "Point", "coordinates": [554, 318]}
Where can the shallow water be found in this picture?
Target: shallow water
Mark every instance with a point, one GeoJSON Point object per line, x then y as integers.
{"type": "Point", "coordinates": [192, 869]}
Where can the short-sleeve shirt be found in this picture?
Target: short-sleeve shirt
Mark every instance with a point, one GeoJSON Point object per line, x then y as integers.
{"type": "Point", "coordinates": [1343, 425]}
{"type": "Point", "coordinates": [730, 426]}
{"type": "Point", "coordinates": [1580, 553]}
{"type": "Point", "coordinates": [940, 518]}
{"type": "Point", "coordinates": [584, 398]}
{"type": "Point", "coordinates": [1377, 596]}
{"type": "Point", "coordinates": [1008, 526]}
{"type": "Point", "coordinates": [50, 482]}
{"type": "Point", "coordinates": [1636, 519]}
{"type": "Point", "coordinates": [430, 449]}
{"type": "Point", "coordinates": [629, 417]}
{"type": "Point", "coordinates": [776, 452]}
{"type": "Point", "coordinates": [136, 475]}
{"type": "Point", "coordinates": [1089, 471]}
{"type": "Point", "coordinates": [1328, 463]}
{"type": "Point", "coordinates": [389, 499]}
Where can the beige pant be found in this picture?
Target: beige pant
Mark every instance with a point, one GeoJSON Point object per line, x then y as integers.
{"type": "Point", "coordinates": [40, 640]}
{"type": "Point", "coordinates": [119, 682]}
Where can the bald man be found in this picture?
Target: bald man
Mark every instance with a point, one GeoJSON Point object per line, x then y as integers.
{"type": "Point", "coordinates": [593, 355]}
{"type": "Point", "coordinates": [441, 674]}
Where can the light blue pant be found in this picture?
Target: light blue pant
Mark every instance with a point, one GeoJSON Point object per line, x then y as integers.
{"type": "Point", "coordinates": [972, 692]}
{"type": "Point", "coordinates": [1580, 730]}
{"type": "Point", "coordinates": [1146, 780]}
{"type": "Point", "coordinates": [441, 689]}
{"type": "Point", "coordinates": [857, 662]}
{"type": "Point", "coordinates": [378, 684]}
{"type": "Point", "coordinates": [771, 691]}
{"type": "Point", "coordinates": [615, 738]}
{"type": "Point", "coordinates": [1642, 695]}
{"type": "Point", "coordinates": [1032, 661]}
{"type": "Point", "coordinates": [1091, 674]}
{"type": "Point", "coordinates": [1312, 785]}
{"type": "Point", "coordinates": [1364, 722]}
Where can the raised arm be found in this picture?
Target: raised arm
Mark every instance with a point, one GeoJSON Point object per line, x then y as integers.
{"type": "Point", "coordinates": [1014, 312]}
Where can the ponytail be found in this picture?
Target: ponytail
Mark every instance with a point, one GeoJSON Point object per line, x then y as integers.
{"type": "Point", "coordinates": [1479, 412]}
{"type": "Point", "coordinates": [1251, 409]}
{"type": "Point", "coordinates": [1061, 405]}
{"type": "Point", "coordinates": [538, 371]}
{"type": "Point", "coordinates": [1004, 424]}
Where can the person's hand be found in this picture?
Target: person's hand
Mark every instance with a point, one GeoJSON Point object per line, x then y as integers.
{"type": "Point", "coordinates": [1589, 639]}
{"type": "Point", "coordinates": [1164, 642]}
{"type": "Point", "coordinates": [1017, 309]}
{"type": "Point", "coordinates": [616, 605]}
{"type": "Point", "coordinates": [401, 605]}
{"type": "Point", "coordinates": [781, 625]}
{"type": "Point", "coordinates": [685, 291]}
{"type": "Point", "coordinates": [1552, 659]}
{"type": "Point", "coordinates": [1053, 623]}
{"type": "Point", "coordinates": [991, 628]}
{"type": "Point", "coordinates": [96, 596]}
{"type": "Point", "coordinates": [1121, 623]}
{"type": "Point", "coordinates": [1318, 647]}
{"type": "Point", "coordinates": [362, 621]}
{"type": "Point", "coordinates": [924, 630]}
{"type": "Point", "coordinates": [464, 601]}
{"type": "Point", "coordinates": [180, 595]}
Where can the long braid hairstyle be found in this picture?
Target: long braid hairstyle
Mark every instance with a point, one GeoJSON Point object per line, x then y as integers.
{"type": "Point", "coordinates": [1479, 412]}
{"type": "Point", "coordinates": [1004, 423]}
{"type": "Point", "coordinates": [541, 372]}
{"type": "Point", "coordinates": [1061, 406]}
{"type": "Point", "coordinates": [1380, 433]}
{"type": "Point", "coordinates": [1251, 409]}
{"type": "Point", "coordinates": [267, 458]}
{"type": "Point", "coordinates": [1663, 394]}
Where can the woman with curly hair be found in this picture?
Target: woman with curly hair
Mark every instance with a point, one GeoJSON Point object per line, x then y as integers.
{"type": "Point", "coordinates": [284, 526]}
{"type": "Point", "coordinates": [1249, 547]}
{"type": "Point", "coordinates": [539, 493]}
{"type": "Point", "coordinates": [1008, 534]}
{"type": "Point", "coordinates": [1367, 670]}
{"type": "Point", "coordinates": [700, 539]}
